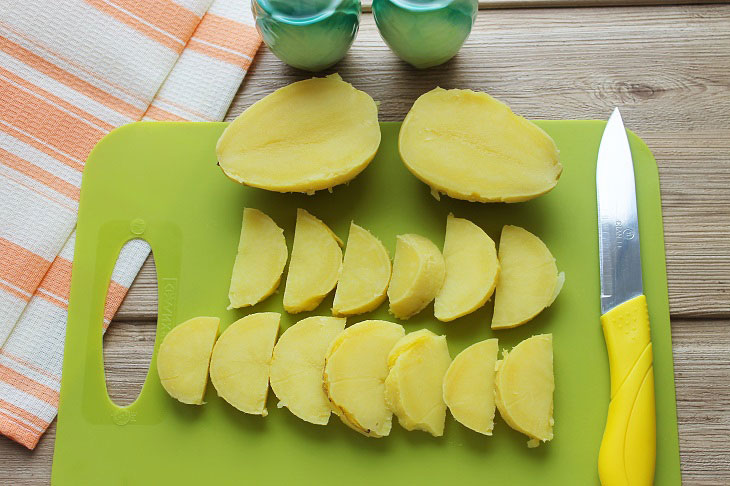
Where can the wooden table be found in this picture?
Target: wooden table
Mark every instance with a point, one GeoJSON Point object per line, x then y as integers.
{"type": "Point", "coordinates": [667, 67]}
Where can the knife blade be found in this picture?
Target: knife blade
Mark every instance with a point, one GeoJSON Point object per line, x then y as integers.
{"type": "Point", "coordinates": [627, 456]}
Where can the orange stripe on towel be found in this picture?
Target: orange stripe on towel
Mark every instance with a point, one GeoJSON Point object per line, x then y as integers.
{"type": "Point", "coordinates": [62, 76]}
{"type": "Point", "coordinates": [234, 58]}
{"type": "Point", "coordinates": [161, 37]}
{"type": "Point", "coordinates": [41, 93]}
{"type": "Point", "coordinates": [228, 33]}
{"type": "Point", "coordinates": [24, 415]}
{"type": "Point", "coordinates": [33, 171]}
{"type": "Point", "coordinates": [18, 431]}
{"type": "Point", "coordinates": [29, 385]}
{"type": "Point", "coordinates": [47, 122]}
{"type": "Point", "coordinates": [158, 114]}
{"type": "Point", "coordinates": [21, 267]}
{"type": "Point", "coordinates": [163, 14]}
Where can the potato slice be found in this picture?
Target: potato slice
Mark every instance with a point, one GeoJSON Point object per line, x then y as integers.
{"type": "Point", "coordinates": [471, 270]}
{"type": "Point", "coordinates": [418, 272]}
{"type": "Point", "coordinates": [239, 367]}
{"type": "Point", "coordinates": [307, 136]}
{"type": "Point", "coordinates": [414, 386]}
{"type": "Point", "coordinates": [525, 386]}
{"type": "Point", "coordinates": [316, 259]}
{"type": "Point", "coordinates": [469, 386]}
{"type": "Point", "coordinates": [298, 365]}
{"type": "Point", "coordinates": [365, 274]}
{"type": "Point", "coordinates": [528, 280]}
{"type": "Point", "coordinates": [354, 375]}
{"type": "Point", "coordinates": [470, 146]}
{"type": "Point", "coordinates": [183, 358]}
{"type": "Point", "coordinates": [260, 260]}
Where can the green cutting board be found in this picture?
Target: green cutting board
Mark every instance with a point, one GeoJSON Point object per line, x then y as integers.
{"type": "Point", "coordinates": [160, 182]}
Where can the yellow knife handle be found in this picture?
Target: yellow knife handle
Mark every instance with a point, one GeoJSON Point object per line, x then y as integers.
{"type": "Point", "coordinates": [628, 449]}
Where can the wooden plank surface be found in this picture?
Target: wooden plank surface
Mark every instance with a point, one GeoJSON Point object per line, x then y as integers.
{"type": "Point", "coordinates": [668, 68]}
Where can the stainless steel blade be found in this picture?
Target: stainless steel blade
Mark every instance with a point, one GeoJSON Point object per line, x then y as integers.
{"type": "Point", "coordinates": [618, 224]}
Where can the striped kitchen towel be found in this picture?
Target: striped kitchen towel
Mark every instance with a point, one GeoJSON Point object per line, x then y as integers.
{"type": "Point", "coordinates": [71, 71]}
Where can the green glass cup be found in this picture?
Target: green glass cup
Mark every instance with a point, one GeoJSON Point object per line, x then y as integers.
{"type": "Point", "coordinates": [425, 33]}
{"type": "Point", "coordinates": [308, 34]}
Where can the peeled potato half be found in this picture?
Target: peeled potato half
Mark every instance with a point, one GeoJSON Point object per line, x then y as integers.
{"type": "Point", "coordinates": [355, 370]}
{"type": "Point", "coordinates": [469, 386]}
{"type": "Point", "coordinates": [307, 136]}
{"type": "Point", "coordinates": [471, 270]}
{"type": "Point", "coordinates": [418, 272]}
{"type": "Point", "coordinates": [260, 260]}
{"type": "Point", "coordinates": [365, 274]}
{"type": "Point", "coordinates": [183, 358]}
{"type": "Point", "coordinates": [239, 367]}
{"type": "Point", "coordinates": [414, 387]}
{"type": "Point", "coordinates": [315, 264]}
{"type": "Point", "coordinates": [470, 146]}
{"type": "Point", "coordinates": [525, 386]}
{"type": "Point", "coordinates": [298, 364]}
{"type": "Point", "coordinates": [528, 280]}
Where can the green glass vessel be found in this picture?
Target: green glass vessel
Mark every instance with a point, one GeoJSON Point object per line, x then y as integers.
{"type": "Point", "coordinates": [308, 34]}
{"type": "Point", "coordinates": [425, 33]}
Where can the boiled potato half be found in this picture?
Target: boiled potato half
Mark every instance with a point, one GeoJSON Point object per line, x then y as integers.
{"type": "Point", "coordinates": [183, 358]}
{"type": "Point", "coordinates": [298, 366]}
{"type": "Point", "coordinates": [470, 146]}
{"type": "Point", "coordinates": [469, 386]}
{"type": "Point", "coordinates": [528, 280]}
{"type": "Point", "coordinates": [316, 259]}
{"type": "Point", "coordinates": [525, 386]}
{"type": "Point", "coordinates": [355, 370]}
{"type": "Point", "coordinates": [414, 386]}
{"type": "Point", "coordinates": [260, 260]}
{"type": "Point", "coordinates": [307, 136]}
{"type": "Point", "coordinates": [365, 274]}
{"type": "Point", "coordinates": [418, 273]}
{"type": "Point", "coordinates": [239, 367]}
{"type": "Point", "coordinates": [471, 270]}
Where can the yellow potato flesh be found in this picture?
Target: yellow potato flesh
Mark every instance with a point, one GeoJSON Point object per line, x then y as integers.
{"type": "Point", "coordinates": [469, 386]}
{"type": "Point", "coordinates": [470, 146]}
{"type": "Point", "coordinates": [309, 135]}
{"type": "Point", "coordinates": [183, 358]}
{"type": "Point", "coordinates": [354, 375]}
{"type": "Point", "coordinates": [260, 260]}
{"type": "Point", "coordinates": [471, 270]}
{"type": "Point", "coordinates": [316, 259]}
{"type": "Point", "coordinates": [239, 367]}
{"type": "Point", "coordinates": [298, 365]}
{"type": "Point", "coordinates": [528, 280]}
{"type": "Point", "coordinates": [418, 272]}
{"type": "Point", "coordinates": [525, 386]}
{"type": "Point", "coordinates": [414, 386]}
{"type": "Point", "coordinates": [365, 274]}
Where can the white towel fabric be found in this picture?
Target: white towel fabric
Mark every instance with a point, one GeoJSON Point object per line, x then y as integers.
{"type": "Point", "coordinates": [70, 72]}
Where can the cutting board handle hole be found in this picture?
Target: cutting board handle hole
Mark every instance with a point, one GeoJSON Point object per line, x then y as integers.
{"type": "Point", "coordinates": [129, 342]}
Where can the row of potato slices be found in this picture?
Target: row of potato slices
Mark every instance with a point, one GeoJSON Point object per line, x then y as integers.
{"type": "Point", "coordinates": [461, 280]}
{"type": "Point", "coordinates": [364, 373]}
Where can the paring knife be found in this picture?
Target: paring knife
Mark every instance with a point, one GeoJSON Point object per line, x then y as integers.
{"type": "Point", "coordinates": [628, 450]}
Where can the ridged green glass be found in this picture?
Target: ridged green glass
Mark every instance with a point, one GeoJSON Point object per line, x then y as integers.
{"type": "Point", "coordinates": [425, 33]}
{"type": "Point", "coordinates": [308, 34]}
